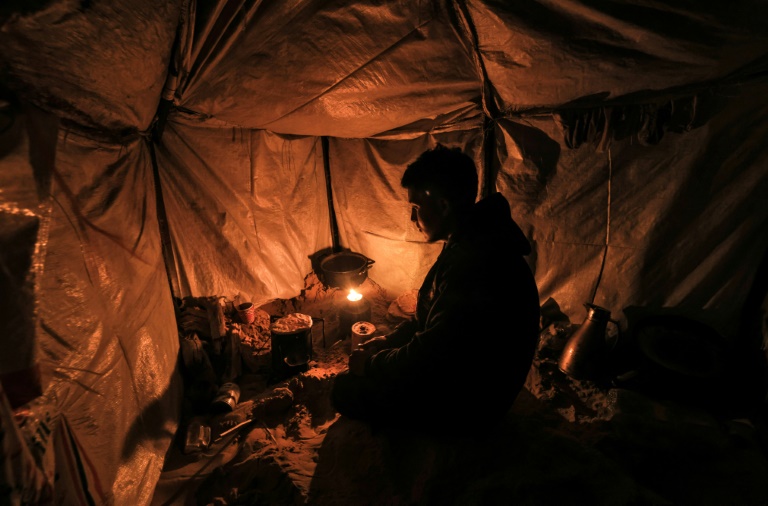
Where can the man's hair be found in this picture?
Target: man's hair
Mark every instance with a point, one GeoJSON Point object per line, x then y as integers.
{"type": "Point", "coordinates": [449, 171]}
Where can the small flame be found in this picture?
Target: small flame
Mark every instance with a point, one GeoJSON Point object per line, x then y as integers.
{"type": "Point", "coordinates": [354, 296]}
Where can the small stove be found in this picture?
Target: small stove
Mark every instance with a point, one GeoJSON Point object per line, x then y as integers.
{"type": "Point", "coordinates": [353, 309]}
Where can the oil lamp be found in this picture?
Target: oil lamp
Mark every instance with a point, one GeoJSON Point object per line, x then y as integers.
{"type": "Point", "coordinates": [354, 309]}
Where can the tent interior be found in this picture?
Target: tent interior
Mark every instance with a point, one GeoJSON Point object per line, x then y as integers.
{"type": "Point", "coordinates": [160, 160]}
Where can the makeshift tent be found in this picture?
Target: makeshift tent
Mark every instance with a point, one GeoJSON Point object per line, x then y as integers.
{"type": "Point", "coordinates": [159, 149]}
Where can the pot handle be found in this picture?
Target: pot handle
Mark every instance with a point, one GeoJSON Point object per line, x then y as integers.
{"type": "Point", "coordinates": [366, 266]}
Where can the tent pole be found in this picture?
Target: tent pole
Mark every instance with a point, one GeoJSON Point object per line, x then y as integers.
{"type": "Point", "coordinates": [491, 112]}
{"type": "Point", "coordinates": [165, 232]}
{"type": "Point", "coordinates": [331, 212]}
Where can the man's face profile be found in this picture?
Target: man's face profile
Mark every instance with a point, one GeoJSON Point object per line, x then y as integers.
{"type": "Point", "coordinates": [428, 212]}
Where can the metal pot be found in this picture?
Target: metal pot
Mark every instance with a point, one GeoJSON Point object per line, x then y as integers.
{"type": "Point", "coordinates": [345, 269]}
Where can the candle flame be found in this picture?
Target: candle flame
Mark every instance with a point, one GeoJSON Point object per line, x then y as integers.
{"type": "Point", "coordinates": [354, 295]}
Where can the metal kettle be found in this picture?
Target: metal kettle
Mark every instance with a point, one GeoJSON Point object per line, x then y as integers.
{"type": "Point", "coordinates": [586, 350]}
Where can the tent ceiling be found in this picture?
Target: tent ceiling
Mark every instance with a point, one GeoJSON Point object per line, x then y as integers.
{"type": "Point", "coordinates": [101, 65]}
{"type": "Point", "coordinates": [547, 53]}
{"type": "Point", "coordinates": [359, 69]}
{"type": "Point", "coordinates": [339, 68]}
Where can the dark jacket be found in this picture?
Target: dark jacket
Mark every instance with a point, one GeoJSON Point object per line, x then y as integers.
{"type": "Point", "coordinates": [471, 343]}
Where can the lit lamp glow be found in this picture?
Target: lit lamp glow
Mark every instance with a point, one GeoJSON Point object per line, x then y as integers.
{"type": "Point", "coordinates": [355, 310]}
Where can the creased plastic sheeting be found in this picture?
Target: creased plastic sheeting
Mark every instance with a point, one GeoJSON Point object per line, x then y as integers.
{"type": "Point", "coordinates": [22, 479]}
{"type": "Point", "coordinates": [310, 67]}
{"type": "Point", "coordinates": [687, 216]}
{"type": "Point", "coordinates": [100, 64]}
{"type": "Point", "coordinates": [549, 52]}
{"type": "Point", "coordinates": [24, 213]}
{"type": "Point", "coordinates": [107, 335]}
{"type": "Point", "coordinates": [245, 210]}
{"type": "Point", "coordinates": [464, 119]}
{"type": "Point", "coordinates": [372, 208]}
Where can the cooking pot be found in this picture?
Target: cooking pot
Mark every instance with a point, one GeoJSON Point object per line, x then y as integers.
{"type": "Point", "coordinates": [345, 269]}
{"type": "Point", "coordinates": [291, 346]}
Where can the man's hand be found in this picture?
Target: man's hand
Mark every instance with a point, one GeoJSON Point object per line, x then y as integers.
{"type": "Point", "coordinates": [374, 344]}
{"type": "Point", "coordinates": [357, 361]}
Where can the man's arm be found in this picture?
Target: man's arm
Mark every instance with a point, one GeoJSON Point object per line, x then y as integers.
{"type": "Point", "coordinates": [398, 337]}
{"type": "Point", "coordinates": [446, 325]}
{"type": "Point", "coordinates": [402, 334]}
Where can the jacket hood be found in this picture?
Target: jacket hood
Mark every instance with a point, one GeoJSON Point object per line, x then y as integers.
{"type": "Point", "coordinates": [490, 219]}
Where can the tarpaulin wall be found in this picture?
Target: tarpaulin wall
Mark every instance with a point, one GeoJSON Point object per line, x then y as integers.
{"type": "Point", "coordinates": [681, 223]}
{"type": "Point", "coordinates": [102, 335]}
{"type": "Point", "coordinates": [246, 203]}
{"type": "Point", "coordinates": [669, 233]}
{"type": "Point", "coordinates": [679, 218]}
{"type": "Point", "coordinates": [245, 208]}
{"type": "Point", "coordinates": [95, 314]}
{"type": "Point", "coordinates": [108, 334]}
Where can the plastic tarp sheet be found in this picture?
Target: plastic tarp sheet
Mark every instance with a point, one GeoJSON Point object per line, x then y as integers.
{"type": "Point", "coordinates": [95, 304]}
{"type": "Point", "coordinates": [24, 214]}
{"type": "Point", "coordinates": [535, 54]}
{"type": "Point", "coordinates": [254, 82]}
{"type": "Point", "coordinates": [551, 52]}
{"type": "Point", "coordinates": [682, 223]}
{"type": "Point", "coordinates": [334, 68]}
{"type": "Point", "coordinates": [101, 65]}
{"type": "Point", "coordinates": [104, 336]}
{"type": "Point", "coordinates": [107, 334]}
{"type": "Point", "coordinates": [246, 209]}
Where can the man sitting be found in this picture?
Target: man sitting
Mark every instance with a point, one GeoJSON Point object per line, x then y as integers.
{"type": "Point", "coordinates": [465, 355]}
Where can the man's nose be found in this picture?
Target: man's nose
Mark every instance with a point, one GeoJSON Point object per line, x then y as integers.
{"type": "Point", "coordinates": [414, 218]}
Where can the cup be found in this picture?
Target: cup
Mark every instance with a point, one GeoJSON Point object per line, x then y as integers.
{"type": "Point", "coordinates": [246, 312]}
{"type": "Point", "coordinates": [226, 398]}
{"type": "Point", "coordinates": [361, 332]}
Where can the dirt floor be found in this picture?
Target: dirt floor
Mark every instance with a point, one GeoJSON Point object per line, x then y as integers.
{"type": "Point", "coordinates": [564, 441]}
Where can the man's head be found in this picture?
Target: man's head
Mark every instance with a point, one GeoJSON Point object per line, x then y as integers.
{"type": "Point", "coordinates": [442, 186]}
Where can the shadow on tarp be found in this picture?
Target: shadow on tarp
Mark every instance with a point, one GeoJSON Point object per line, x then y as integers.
{"type": "Point", "coordinates": [157, 423]}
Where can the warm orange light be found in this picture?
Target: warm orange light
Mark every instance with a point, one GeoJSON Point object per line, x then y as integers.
{"type": "Point", "coordinates": [354, 296]}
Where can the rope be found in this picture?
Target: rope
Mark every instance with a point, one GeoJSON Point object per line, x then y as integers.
{"type": "Point", "coordinates": [607, 230]}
